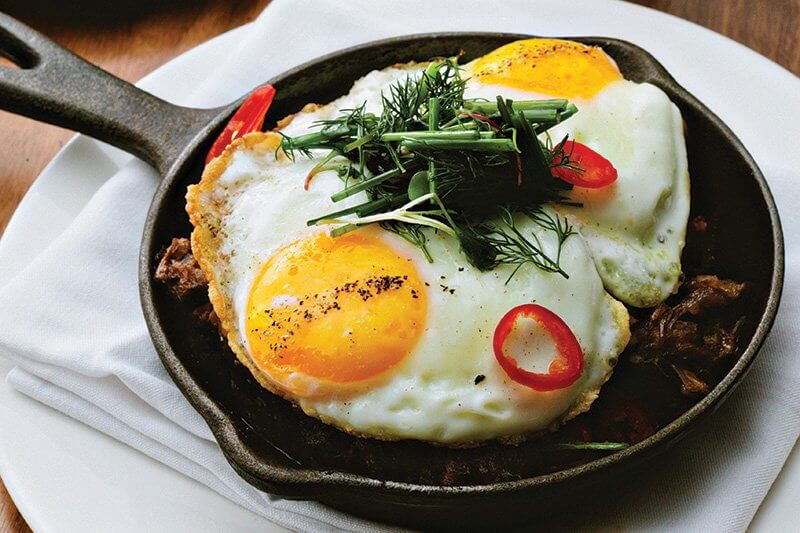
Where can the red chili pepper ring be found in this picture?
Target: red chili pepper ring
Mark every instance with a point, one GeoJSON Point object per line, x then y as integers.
{"type": "Point", "coordinates": [595, 170]}
{"type": "Point", "coordinates": [563, 371]}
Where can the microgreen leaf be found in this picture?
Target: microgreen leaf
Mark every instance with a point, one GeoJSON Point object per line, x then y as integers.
{"type": "Point", "coordinates": [418, 186]}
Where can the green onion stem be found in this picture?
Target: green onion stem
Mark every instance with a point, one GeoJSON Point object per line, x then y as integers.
{"type": "Point", "coordinates": [503, 109]}
{"type": "Point", "coordinates": [341, 230]}
{"type": "Point", "coordinates": [450, 124]}
{"type": "Point", "coordinates": [361, 210]}
{"type": "Point", "coordinates": [336, 214]}
{"type": "Point", "coordinates": [386, 202]}
{"type": "Point", "coordinates": [568, 111]}
{"type": "Point", "coordinates": [375, 206]}
{"type": "Point", "coordinates": [488, 108]}
{"type": "Point", "coordinates": [310, 140]}
{"type": "Point", "coordinates": [461, 126]}
{"type": "Point", "coordinates": [607, 446]}
{"type": "Point", "coordinates": [481, 145]}
{"type": "Point", "coordinates": [364, 185]}
{"type": "Point", "coordinates": [538, 115]}
{"type": "Point", "coordinates": [433, 124]}
{"type": "Point", "coordinates": [336, 130]}
{"type": "Point", "coordinates": [433, 114]}
{"type": "Point", "coordinates": [430, 135]}
{"type": "Point", "coordinates": [361, 141]}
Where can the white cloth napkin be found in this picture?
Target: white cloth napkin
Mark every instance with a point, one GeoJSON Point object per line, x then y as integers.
{"type": "Point", "coordinates": [77, 335]}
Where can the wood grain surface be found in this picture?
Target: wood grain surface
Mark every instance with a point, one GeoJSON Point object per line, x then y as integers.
{"type": "Point", "coordinates": [132, 37]}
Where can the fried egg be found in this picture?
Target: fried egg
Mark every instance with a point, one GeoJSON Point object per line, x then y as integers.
{"type": "Point", "coordinates": [361, 330]}
{"type": "Point", "coordinates": [636, 227]}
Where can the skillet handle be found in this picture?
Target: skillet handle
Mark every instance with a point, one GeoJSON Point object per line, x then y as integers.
{"type": "Point", "coordinates": [54, 85]}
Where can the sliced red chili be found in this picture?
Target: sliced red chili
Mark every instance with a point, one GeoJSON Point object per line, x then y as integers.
{"type": "Point", "coordinates": [563, 371]}
{"type": "Point", "coordinates": [594, 171]}
{"type": "Point", "coordinates": [249, 117]}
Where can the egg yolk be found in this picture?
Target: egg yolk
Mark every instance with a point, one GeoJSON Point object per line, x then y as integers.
{"type": "Point", "coordinates": [334, 311]}
{"type": "Point", "coordinates": [566, 69]}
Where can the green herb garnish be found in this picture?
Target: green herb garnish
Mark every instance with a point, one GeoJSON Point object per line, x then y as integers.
{"type": "Point", "coordinates": [467, 168]}
{"type": "Point", "coordinates": [604, 446]}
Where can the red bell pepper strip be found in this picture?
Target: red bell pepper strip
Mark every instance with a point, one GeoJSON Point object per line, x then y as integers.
{"type": "Point", "coordinates": [563, 371]}
{"type": "Point", "coordinates": [595, 171]}
{"type": "Point", "coordinates": [249, 117]}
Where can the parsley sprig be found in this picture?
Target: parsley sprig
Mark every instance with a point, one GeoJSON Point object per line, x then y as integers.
{"type": "Point", "coordinates": [464, 167]}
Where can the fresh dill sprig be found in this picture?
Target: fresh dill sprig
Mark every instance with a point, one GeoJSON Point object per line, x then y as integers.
{"type": "Point", "coordinates": [461, 167]}
{"type": "Point", "coordinates": [412, 233]}
{"type": "Point", "coordinates": [502, 242]}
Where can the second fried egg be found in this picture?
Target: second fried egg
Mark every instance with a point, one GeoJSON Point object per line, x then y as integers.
{"type": "Point", "coordinates": [636, 227]}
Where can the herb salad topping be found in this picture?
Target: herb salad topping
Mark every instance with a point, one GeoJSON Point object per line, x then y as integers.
{"type": "Point", "coordinates": [464, 167]}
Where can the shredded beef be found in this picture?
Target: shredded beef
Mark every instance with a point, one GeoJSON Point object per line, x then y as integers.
{"type": "Point", "coordinates": [689, 336]}
{"type": "Point", "coordinates": [690, 383]}
{"type": "Point", "coordinates": [179, 270]}
{"type": "Point", "coordinates": [206, 313]}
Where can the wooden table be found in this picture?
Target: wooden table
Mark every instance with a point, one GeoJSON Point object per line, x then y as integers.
{"type": "Point", "coordinates": [132, 37]}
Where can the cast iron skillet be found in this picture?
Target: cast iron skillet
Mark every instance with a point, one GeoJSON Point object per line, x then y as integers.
{"type": "Point", "coordinates": [274, 446]}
